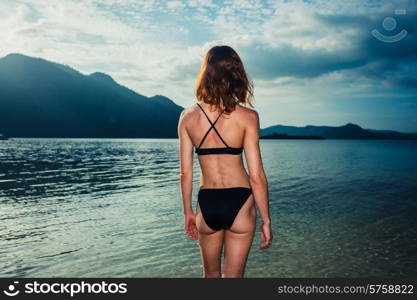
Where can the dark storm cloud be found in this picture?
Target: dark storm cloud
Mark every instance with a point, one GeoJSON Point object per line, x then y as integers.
{"type": "Point", "coordinates": [365, 55]}
{"type": "Point", "coordinates": [287, 60]}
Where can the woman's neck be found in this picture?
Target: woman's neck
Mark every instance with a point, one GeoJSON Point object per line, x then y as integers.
{"type": "Point", "coordinates": [211, 106]}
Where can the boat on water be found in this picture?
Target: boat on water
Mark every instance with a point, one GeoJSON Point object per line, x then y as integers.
{"type": "Point", "coordinates": [3, 137]}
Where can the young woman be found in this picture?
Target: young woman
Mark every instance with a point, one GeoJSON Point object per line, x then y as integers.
{"type": "Point", "coordinates": [220, 128]}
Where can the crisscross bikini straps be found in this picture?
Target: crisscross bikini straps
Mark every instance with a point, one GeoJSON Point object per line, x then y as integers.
{"type": "Point", "coordinates": [212, 126]}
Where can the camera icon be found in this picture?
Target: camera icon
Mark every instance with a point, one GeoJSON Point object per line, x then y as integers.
{"type": "Point", "coordinates": [12, 291]}
{"type": "Point", "coordinates": [389, 24]}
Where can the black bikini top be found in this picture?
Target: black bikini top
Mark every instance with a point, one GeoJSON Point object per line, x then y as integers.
{"type": "Point", "coordinates": [223, 150]}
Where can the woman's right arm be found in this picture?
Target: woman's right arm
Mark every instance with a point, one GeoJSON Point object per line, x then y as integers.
{"type": "Point", "coordinates": [257, 177]}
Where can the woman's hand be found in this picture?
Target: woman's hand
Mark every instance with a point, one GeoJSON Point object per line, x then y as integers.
{"type": "Point", "coordinates": [266, 232]}
{"type": "Point", "coordinates": [190, 227]}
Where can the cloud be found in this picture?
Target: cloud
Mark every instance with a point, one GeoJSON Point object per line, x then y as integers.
{"type": "Point", "coordinates": [295, 51]}
{"type": "Point", "coordinates": [175, 5]}
{"type": "Point", "coordinates": [287, 60]}
{"type": "Point", "coordinates": [303, 42]}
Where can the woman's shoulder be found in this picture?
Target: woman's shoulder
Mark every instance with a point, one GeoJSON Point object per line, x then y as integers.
{"type": "Point", "coordinates": [187, 113]}
{"type": "Point", "coordinates": [242, 112]}
{"type": "Point", "coordinates": [189, 110]}
{"type": "Point", "coordinates": [247, 114]}
{"type": "Point", "coordinates": [245, 109]}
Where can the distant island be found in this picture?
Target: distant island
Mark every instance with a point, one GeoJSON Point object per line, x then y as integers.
{"type": "Point", "coordinates": [39, 98]}
{"type": "Point", "coordinates": [291, 137]}
{"type": "Point", "coordinates": [347, 131]}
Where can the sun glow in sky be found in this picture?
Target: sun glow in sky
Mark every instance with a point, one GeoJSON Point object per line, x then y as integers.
{"type": "Point", "coordinates": [312, 62]}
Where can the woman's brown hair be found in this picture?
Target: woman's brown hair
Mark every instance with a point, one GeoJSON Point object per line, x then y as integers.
{"type": "Point", "coordinates": [223, 78]}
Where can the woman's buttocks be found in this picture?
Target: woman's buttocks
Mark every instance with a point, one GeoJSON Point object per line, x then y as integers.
{"type": "Point", "coordinates": [223, 171]}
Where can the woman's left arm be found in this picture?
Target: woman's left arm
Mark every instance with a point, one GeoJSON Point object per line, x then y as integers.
{"type": "Point", "coordinates": [186, 177]}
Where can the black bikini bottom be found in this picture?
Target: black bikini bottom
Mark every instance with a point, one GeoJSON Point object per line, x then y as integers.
{"type": "Point", "coordinates": [220, 206]}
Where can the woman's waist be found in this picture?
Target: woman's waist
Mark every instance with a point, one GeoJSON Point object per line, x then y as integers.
{"type": "Point", "coordinates": [224, 181]}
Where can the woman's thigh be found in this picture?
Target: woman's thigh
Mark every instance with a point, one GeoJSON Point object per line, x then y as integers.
{"type": "Point", "coordinates": [238, 240]}
{"type": "Point", "coordinates": [211, 246]}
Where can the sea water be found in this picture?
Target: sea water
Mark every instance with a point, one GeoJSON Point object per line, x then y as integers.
{"type": "Point", "coordinates": [112, 208]}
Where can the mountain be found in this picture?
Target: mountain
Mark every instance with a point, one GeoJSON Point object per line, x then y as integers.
{"type": "Point", "coordinates": [39, 98]}
{"type": "Point", "coordinates": [348, 131]}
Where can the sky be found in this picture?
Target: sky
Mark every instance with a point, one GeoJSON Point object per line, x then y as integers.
{"type": "Point", "coordinates": [311, 62]}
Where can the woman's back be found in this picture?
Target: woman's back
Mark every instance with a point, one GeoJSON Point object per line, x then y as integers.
{"type": "Point", "coordinates": [219, 169]}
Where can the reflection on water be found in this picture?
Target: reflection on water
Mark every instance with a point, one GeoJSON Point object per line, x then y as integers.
{"type": "Point", "coordinates": [112, 208]}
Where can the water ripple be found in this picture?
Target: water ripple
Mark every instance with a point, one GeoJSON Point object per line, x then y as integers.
{"type": "Point", "coordinates": [112, 208]}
